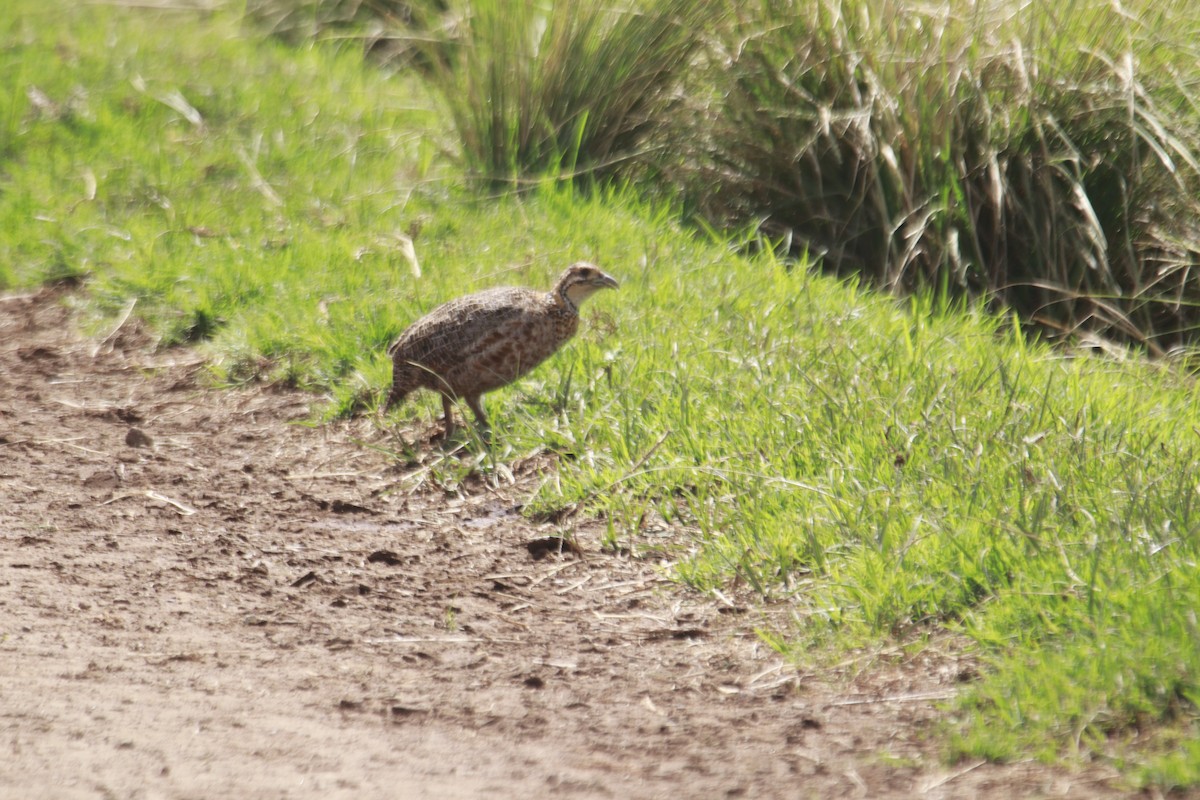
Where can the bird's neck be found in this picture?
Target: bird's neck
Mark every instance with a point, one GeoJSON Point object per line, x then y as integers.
{"type": "Point", "coordinates": [562, 297]}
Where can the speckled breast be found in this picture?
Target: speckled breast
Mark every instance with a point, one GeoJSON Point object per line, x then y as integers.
{"type": "Point", "coordinates": [512, 349]}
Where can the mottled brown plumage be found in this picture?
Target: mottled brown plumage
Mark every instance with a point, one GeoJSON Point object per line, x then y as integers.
{"type": "Point", "coordinates": [483, 341]}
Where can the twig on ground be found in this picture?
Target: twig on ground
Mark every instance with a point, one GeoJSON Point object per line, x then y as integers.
{"type": "Point", "coordinates": [574, 586]}
{"type": "Point", "coordinates": [926, 788]}
{"type": "Point", "coordinates": [913, 697]}
{"type": "Point", "coordinates": [106, 342]}
{"type": "Point", "coordinates": [551, 572]}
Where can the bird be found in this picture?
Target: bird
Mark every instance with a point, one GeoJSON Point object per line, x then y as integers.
{"type": "Point", "coordinates": [483, 341]}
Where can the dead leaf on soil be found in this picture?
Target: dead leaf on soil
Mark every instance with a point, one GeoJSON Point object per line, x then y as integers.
{"type": "Point", "coordinates": [547, 545]}
{"type": "Point", "coordinates": [384, 557]}
{"type": "Point", "coordinates": [304, 580]}
{"type": "Point", "coordinates": [182, 508]}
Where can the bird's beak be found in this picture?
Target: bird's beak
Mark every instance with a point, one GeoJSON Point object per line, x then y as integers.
{"type": "Point", "coordinates": [605, 281]}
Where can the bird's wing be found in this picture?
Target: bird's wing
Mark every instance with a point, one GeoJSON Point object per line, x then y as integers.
{"type": "Point", "coordinates": [454, 330]}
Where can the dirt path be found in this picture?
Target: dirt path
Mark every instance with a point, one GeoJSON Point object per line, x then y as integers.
{"type": "Point", "coordinates": [242, 607]}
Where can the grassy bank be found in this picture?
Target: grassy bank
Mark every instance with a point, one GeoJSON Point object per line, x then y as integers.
{"type": "Point", "coordinates": [1043, 157]}
{"type": "Point", "coordinates": [886, 468]}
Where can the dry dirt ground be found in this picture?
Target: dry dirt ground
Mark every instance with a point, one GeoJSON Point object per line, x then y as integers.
{"type": "Point", "coordinates": [201, 599]}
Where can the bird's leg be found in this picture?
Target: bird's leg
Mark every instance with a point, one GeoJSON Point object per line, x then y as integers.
{"type": "Point", "coordinates": [477, 407]}
{"type": "Point", "coordinates": [485, 428]}
{"type": "Point", "coordinates": [394, 397]}
{"type": "Point", "coordinates": [448, 409]}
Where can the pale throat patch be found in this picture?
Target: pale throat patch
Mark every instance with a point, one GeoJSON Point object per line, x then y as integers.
{"type": "Point", "coordinates": [576, 293]}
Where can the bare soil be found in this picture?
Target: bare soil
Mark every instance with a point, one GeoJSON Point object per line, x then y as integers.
{"type": "Point", "coordinates": [201, 598]}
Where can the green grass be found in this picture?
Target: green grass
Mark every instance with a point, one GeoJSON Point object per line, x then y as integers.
{"type": "Point", "coordinates": [207, 175]}
{"type": "Point", "coordinates": [887, 469]}
{"type": "Point", "coordinates": [570, 88]}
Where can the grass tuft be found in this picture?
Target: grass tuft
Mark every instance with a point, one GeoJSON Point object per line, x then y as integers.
{"type": "Point", "coordinates": [563, 88]}
{"type": "Point", "coordinates": [1047, 158]}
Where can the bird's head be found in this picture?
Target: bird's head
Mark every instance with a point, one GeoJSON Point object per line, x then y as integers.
{"type": "Point", "coordinates": [579, 281]}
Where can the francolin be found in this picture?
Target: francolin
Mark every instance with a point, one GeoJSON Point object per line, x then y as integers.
{"type": "Point", "coordinates": [483, 341]}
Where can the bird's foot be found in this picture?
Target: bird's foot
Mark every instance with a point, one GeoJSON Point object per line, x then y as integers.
{"type": "Point", "coordinates": [484, 432]}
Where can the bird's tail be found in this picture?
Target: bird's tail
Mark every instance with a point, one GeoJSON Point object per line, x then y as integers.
{"type": "Point", "coordinates": [405, 378]}
{"type": "Point", "coordinates": [394, 399]}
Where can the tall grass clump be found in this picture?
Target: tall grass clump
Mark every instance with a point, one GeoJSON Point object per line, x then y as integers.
{"type": "Point", "coordinates": [1044, 156]}
{"type": "Point", "coordinates": [303, 20]}
{"type": "Point", "coordinates": [383, 28]}
{"type": "Point", "coordinates": [562, 87]}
